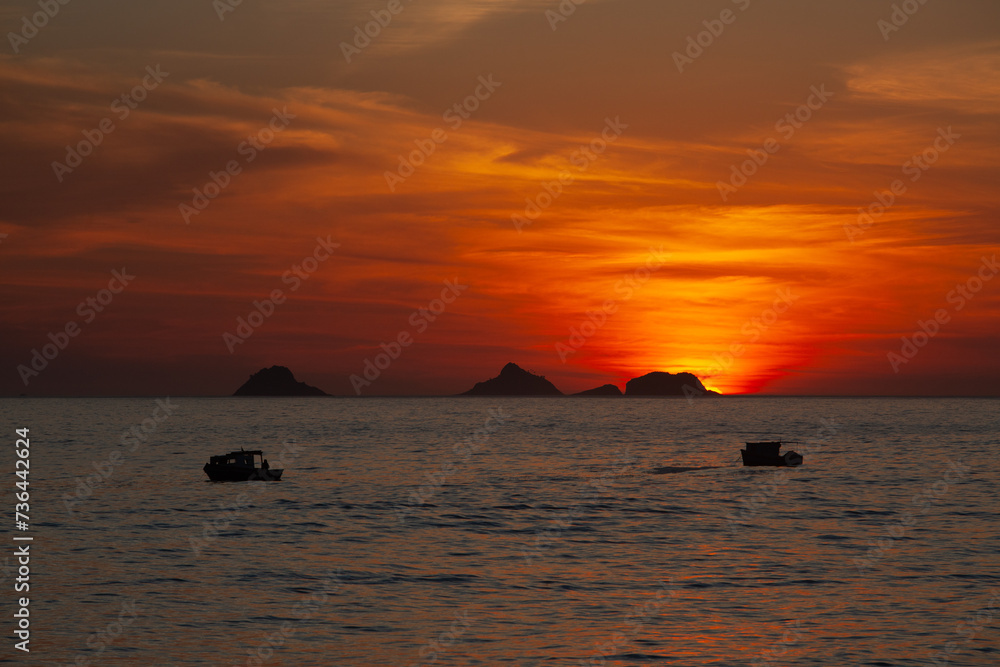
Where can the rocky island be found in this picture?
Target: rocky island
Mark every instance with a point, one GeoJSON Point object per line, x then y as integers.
{"type": "Point", "coordinates": [603, 390]}
{"type": "Point", "coordinates": [658, 383]}
{"type": "Point", "coordinates": [514, 381]}
{"type": "Point", "coordinates": [276, 381]}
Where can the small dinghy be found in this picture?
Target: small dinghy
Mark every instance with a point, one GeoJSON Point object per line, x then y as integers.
{"type": "Point", "coordinates": [241, 466]}
{"type": "Point", "coordinates": [768, 454]}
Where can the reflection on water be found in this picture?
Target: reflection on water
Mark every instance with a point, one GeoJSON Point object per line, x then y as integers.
{"type": "Point", "coordinates": [564, 532]}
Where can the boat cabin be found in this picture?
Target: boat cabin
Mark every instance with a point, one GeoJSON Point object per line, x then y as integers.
{"type": "Point", "coordinates": [764, 448]}
{"type": "Point", "coordinates": [769, 454]}
{"type": "Point", "coordinates": [253, 458]}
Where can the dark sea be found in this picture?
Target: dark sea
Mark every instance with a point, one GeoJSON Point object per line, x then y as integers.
{"type": "Point", "coordinates": [482, 531]}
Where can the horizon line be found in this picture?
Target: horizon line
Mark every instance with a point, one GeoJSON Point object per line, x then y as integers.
{"type": "Point", "coordinates": [700, 398]}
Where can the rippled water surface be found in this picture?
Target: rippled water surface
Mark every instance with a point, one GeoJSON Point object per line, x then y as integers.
{"type": "Point", "coordinates": [511, 532]}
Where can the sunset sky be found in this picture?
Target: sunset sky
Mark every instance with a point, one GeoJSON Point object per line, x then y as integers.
{"type": "Point", "coordinates": [764, 283]}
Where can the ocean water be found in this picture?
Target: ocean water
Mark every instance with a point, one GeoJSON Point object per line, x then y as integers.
{"type": "Point", "coordinates": [536, 532]}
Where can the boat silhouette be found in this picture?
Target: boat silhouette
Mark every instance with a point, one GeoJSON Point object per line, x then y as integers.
{"type": "Point", "coordinates": [768, 454]}
{"type": "Point", "coordinates": [241, 466]}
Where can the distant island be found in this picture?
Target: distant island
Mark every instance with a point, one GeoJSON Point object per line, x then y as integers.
{"type": "Point", "coordinates": [667, 384]}
{"type": "Point", "coordinates": [276, 381]}
{"type": "Point", "coordinates": [515, 381]}
{"type": "Point", "coordinates": [603, 390]}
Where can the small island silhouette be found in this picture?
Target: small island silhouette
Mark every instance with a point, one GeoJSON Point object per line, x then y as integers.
{"type": "Point", "coordinates": [276, 381]}
{"type": "Point", "coordinates": [658, 383]}
{"type": "Point", "coordinates": [514, 381]}
{"type": "Point", "coordinates": [603, 390]}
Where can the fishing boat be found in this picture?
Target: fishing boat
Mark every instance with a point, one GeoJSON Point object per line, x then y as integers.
{"type": "Point", "coordinates": [241, 466]}
{"type": "Point", "coordinates": [768, 454]}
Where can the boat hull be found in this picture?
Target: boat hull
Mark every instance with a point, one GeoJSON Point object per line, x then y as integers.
{"type": "Point", "coordinates": [228, 473]}
{"type": "Point", "coordinates": [786, 459]}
